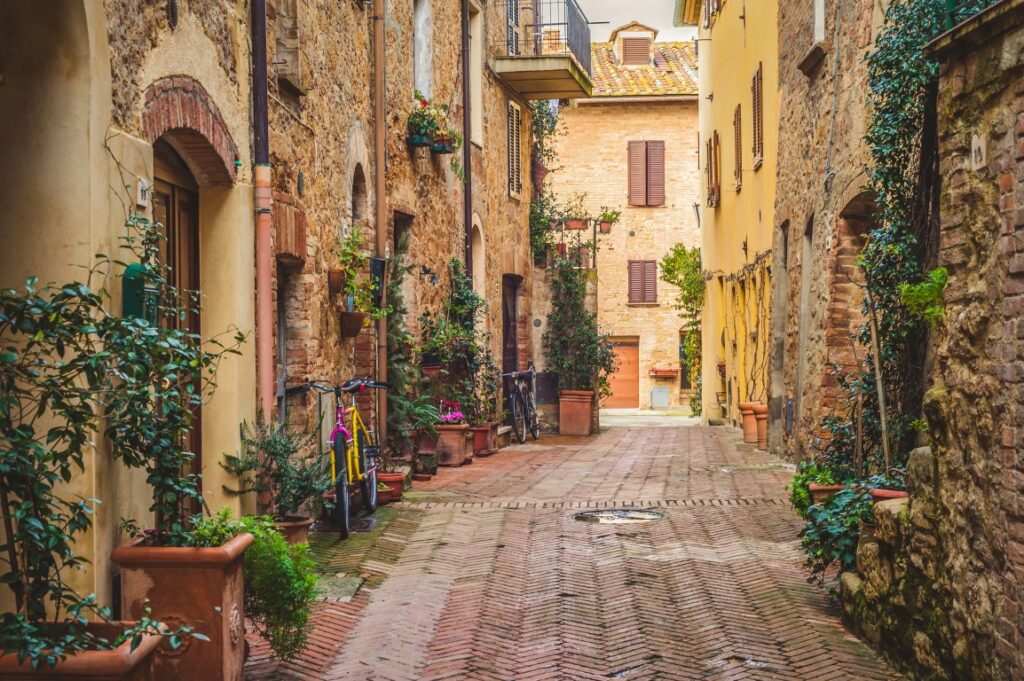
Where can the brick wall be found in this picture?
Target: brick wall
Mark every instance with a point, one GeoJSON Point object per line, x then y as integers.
{"type": "Point", "coordinates": [592, 161]}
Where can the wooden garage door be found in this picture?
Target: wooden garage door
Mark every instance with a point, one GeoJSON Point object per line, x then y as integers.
{"type": "Point", "coordinates": [625, 382]}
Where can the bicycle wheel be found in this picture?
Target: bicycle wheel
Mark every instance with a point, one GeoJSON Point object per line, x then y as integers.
{"type": "Point", "coordinates": [518, 417]}
{"type": "Point", "coordinates": [531, 417]}
{"type": "Point", "coordinates": [368, 459]}
{"type": "Point", "coordinates": [342, 503]}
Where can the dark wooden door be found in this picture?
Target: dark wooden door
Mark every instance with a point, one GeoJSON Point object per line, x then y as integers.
{"type": "Point", "coordinates": [509, 323]}
{"type": "Point", "coordinates": [176, 209]}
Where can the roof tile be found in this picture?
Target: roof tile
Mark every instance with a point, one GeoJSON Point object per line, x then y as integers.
{"type": "Point", "coordinates": [673, 71]}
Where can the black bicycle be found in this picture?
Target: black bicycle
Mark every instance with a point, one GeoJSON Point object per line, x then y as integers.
{"type": "Point", "coordinates": [522, 403]}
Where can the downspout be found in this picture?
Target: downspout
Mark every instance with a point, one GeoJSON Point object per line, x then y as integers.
{"type": "Point", "coordinates": [467, 146]}
{"type": "Point", "coordinates": [380, 206]}
{"type": "Point", "coordinates": [261, 181]}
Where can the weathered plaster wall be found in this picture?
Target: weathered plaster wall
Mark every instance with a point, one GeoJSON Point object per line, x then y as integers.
{"type": "Point", "coordinates": [942, 589]}
{"type": "Point", "coordinates": [592, 163]}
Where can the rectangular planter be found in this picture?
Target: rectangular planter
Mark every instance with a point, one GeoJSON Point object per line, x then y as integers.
{"type": "Point", "coordinates": [575, 411]}
{"type": "Point", "coordinates": [485, 439]}
{"type": "Point", "coordinates": [200, 587]}
{"type": "Point", "coordinates": [120, 664]}
{"type": "Point", "coordinates": [453, 445]}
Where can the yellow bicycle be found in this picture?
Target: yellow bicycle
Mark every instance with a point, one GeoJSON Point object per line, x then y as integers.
{"type": "Point", "coordinates": [354, 452]}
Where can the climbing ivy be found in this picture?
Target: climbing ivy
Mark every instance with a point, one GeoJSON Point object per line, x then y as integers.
{"type": "Point", "coordinates": [681, 267]}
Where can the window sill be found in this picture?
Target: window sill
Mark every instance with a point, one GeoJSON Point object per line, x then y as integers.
{"type": "Point", "coordinates": [643, 304]}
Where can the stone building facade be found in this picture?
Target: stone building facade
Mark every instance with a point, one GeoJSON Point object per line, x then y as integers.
{"type": "Point", "coordinates": [941, 590]}
{"type": "Point", "coordinates": [821, 214]}
{"type": "Point", "coordinates": [635, 103]}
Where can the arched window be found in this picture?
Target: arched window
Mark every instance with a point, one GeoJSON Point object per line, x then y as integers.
{"type": "Point", "coordinates": [422, 64]}
{"type": "Point", "coordinates": [359, 195]}
{"type": "Point", "coordinates": [479, 272]}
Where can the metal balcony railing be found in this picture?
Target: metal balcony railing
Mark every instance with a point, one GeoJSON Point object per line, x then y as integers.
{"type": "Point", "coordinates": [544, 27]}
{"type": "Point", "coordinates": [958, 11]}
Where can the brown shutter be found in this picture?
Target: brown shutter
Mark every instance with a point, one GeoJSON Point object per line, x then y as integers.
{"type": "Point", "coordinates": [636, 51]}
{"type": "Point", "coordinates": [509, 146]}
{"type": "Point", "coordinates": [519, 150]}
{"type": "Point", "coordinates": [637, 173]}
{"type": "Point", "coordinates": [514, 123]}
{"type": "Point", "coordinates": [636, 281]}
{"type": "Point", "coordinates": [758, 101]}
{"type": "Point", "coordinates": [650, 281]}
{"type": "Point", "coordinates": [656, 173]}
{"type": "Point", "coordinates": [737, 132]}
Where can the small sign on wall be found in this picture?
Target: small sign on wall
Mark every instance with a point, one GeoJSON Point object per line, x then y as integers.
{"type": "Point", "coordinates": [979, 152]}
{"type": "Point", "coordinates": [142, 193]}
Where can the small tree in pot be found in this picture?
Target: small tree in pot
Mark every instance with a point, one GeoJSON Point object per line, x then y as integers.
{"type": "Point", "coordinates": [285, 475]}
{"type": "Point", "coordinates": [575, 349]}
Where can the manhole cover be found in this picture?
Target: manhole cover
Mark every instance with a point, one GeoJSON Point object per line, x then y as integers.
{"type": "Point", "coordinates": [618, 516]}
{"type": "Point", "coordinates": [364, 524]}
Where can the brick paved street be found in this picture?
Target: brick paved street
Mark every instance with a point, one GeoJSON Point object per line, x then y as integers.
{"type": "Point", "coordinates": [484, 574]}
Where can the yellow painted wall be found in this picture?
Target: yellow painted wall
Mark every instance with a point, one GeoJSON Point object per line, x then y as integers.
{"type": "Point", "coordinates": [735, 324]}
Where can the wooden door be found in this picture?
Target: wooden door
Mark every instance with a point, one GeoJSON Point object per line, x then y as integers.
{"type": "Point", "coordinates": [625, 382]}
{"type": "Point", "coordinates": [176, 208]}
{"type": "Point", "coordinates": [509, 323]}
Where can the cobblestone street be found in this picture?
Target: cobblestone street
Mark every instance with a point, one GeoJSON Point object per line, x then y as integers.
{"type": "Point", "coordinates": [483, 572]}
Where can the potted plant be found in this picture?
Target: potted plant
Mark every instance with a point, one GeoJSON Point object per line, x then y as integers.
{"type": "Point", "coordinates": [391, 476]}
{"type": "Point", "coordinates": [885, 487]}
{"type": "Point", "coordinates": [163, 373]}
{"type": "Point", "coordinates": [54, 378]}
{"type": "Point", "coordinates": [284, 474]}
{"type": "Point", "coordinates": [358, 287]}
{"type": "Point", "coordinates": [482, 405]}
{"type": "Point", "coordinates": [452, 436]}
{"type": "Point", "coordinates": [280, 579]}
{"type": "Point", "coordinates": [575, 349]}
{"type": "Point", "coordinates": [813, 484]}
{"type": "Point", "coordinates": [422, 122]}
{"type": "Point", "coordinates": [576, 223]}
{"type": "Point", "coordinates": [607, 218]}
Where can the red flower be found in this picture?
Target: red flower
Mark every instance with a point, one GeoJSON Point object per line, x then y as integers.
{"type": "Point", "coordinates": [425, 103]}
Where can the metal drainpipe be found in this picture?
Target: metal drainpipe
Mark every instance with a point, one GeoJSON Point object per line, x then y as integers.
{"type": "Point", "coordinates": [262, 180]}
{"type": "Point", "coordinates": [380, 205]}
{"type": "Point", "coordinates": [467, 146]}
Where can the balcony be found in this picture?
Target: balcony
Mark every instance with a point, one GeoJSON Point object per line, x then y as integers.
{"type": "Point", "coordinates": [542, 48]}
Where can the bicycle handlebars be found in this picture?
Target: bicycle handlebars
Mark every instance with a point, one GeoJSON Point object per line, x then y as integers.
{"type": "Point", "coordinates": [349, 386]}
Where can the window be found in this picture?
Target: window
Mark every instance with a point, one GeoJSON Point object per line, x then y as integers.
{"type": "Point", "coordinates": [757, 90]}
{"type": "Point", "coordinates": [512, 27]}
{"type": "Point", "coordinates": [422, 64]}
{"type": "Point", "coordinates": [711, 10]}
{"type": "Point", "coordinates": [646, 173]}
{"type": "Point", "coordinates": [286, 51]}
{"type": "Point", "coordinates": [713, 175]}
{"type": "Point", "coordinates": [643, 281]}
{"type": "Point", "coordinates": [515, 150]}
{"type": "Point", "coordinates": [737, 138]}
{"type": "Point", "coordinates": [636, 51]}
{"type": "Point", "coordinates": [819, 21]}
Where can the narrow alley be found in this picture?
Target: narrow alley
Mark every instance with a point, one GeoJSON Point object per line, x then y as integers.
{"type": "Point", "coordinates": [484, 572]}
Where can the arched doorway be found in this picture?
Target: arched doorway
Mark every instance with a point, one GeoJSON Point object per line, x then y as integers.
{"type": "Point", "coordinates": [479, 260]}
{"type": "Point", "coordinates": [360, 196]}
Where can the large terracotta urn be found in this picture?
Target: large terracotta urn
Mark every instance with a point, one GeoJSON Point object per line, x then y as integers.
{"type": "Point", "coordinates": [575, 411]}
{"type": "Point", "coordinates": [453, 445]}
{"type": "Point", "coordinates": [198, 587]}
{"type": "Point", "coordinates": [761, 425]}
{"type": "Point", "coordinates": [294, 528]}
{"type": "Point", "coordinates": [748, 422]}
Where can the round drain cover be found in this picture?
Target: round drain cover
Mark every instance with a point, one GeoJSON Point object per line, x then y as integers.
{"type": "Point", "coordinates": [618, 516]}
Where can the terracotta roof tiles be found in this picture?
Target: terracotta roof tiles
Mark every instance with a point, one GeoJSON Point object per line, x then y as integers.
{"type": "Point", "coordinates": [673, 71]}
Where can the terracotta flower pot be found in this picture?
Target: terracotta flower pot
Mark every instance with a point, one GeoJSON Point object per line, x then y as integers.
{"type": "Point", "coordinates": [575, 223]}
{"type": "Point", "coordinates": [120, 664]}
{"type": "Point", "coordinates": [200, 587]}
{"type": "Point", "coordinates": [426, 443]}
{"type": "Point", "coordinates": [426, 463]}
{"type": "Point", "coordinates": [885, 494]}
{"type": "Point", "coordinates": [485, 439]}
{"type": "Point", "coordinates": [335, 282]}
{"type": "Point", "coordinates": [605, 227]}
{"type": "Point", "coordinates": [538, 171]}
{"type": "Point", "coordinates": [761, 426]}
{"type": "Point", "coordinates": [748, 421]}
{"type": "Point", "coordinates": [575, 411]}
{"type": "Point", "coordinates": [352, 323]}
{"type": "Point", "coordinates": [294, 528]}
{"type": "Point", "coordinates": [396, 487]}
{"type": "Point", "coordinates": [820, 493]}
{"type": "Point", "coordinates": [453, 445]}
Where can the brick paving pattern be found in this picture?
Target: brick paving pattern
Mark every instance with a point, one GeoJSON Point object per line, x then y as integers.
{"type": "Point", "coordinates": [484, 573]}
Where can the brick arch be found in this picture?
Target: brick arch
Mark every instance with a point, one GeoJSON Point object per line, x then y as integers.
{"type": "Point", "coordinates": [179, 109]}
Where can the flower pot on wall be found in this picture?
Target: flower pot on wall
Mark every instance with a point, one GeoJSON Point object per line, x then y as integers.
{"type": "Point", "coordinates": [575, 223]}
{"type": "Point", "coordinates": [443, 144]}
{"type": "Point", "coordinates": [605, 227]}
{"type": "Point", "coordinates": [335, 282]}
{"type": "Point", "coordinates": [120, 664]}
{"type": "Point", "coordinates": [294, 528]}
{"type": "Point", "coordinates": [538, 171]}
{"type": "Point", "coordinates": [485, 439]}
{"type": "Point", "coordinates": [418, 138]}
{"type": "Point", "coordinates": [453, 444]}
{"type": "Point", "coordinates": [200, 587]}
{"type": "Point", "coordinates": [352, 323]}
{"type": "Point", "coordinates": [575, 411]}
{"type": "Point", "coordinates": [761, 427]}
{"type": "Point", "coordinates": [748, 422]}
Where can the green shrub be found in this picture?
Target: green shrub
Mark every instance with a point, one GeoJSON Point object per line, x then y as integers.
{"type": "Point", "coordinates": [833, 530]}
{"type": "Point", "coordinates": [280, 579]}
{"type": "Point", "coordinates": [799, 489]}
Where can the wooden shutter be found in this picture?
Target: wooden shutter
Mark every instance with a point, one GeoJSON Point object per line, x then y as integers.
{"type": "Point", "coordinates": [737, 133]}
{"type": "Point", "coordinates": [512, 26]}
{"type": "Point", "coordinates": [637, 173]}
{"type": "Point", "coordinates": [656, 173]}
{"type": "Point", "coordinates": [650, 281]}
{"type": "Point", "coordinates": [636, 51]}
{"type": "Point", "coordinates": [636, 281]}
{"type": "Point", "coordinates": [514, 126]}
{"type": "Point", "coordinates": [714, 177]}
{"type": "Point", "coordinates": [758, 104]}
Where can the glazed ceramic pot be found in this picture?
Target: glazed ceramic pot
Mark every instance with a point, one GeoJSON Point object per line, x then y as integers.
{"type": "Point", "coordinates": [198, 587]}
{"type": "Point", "coordinates": [575, 411]}
{"type": "Point", "coordinates": [119, 664]}
{"type": "Point", "coordinates": [748, 422]}
{"type": "Point", "coordinates": [294, 528]}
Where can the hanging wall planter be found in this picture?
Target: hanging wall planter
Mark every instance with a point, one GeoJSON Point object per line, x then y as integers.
{"type": "Point", "coordinates": [575, 223]}
{"type": "Point", "coordinates": [605, 227]}
{"type": "Point", "coordinates": [335, 282]}
{"type": "Point", "coordinates": [443, 144]}
{"type": "Point", "coordinates": [352, 323]}
{"type": "Point", "coordinates": [418, 138]}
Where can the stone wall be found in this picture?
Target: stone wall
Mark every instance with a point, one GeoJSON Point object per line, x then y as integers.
{"type": "Point", "coordinates": [816, 299]}
{"type": "Point", "coordinates": [592, 163]}
{"type": "Point", "coordinates": [942, 589]}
